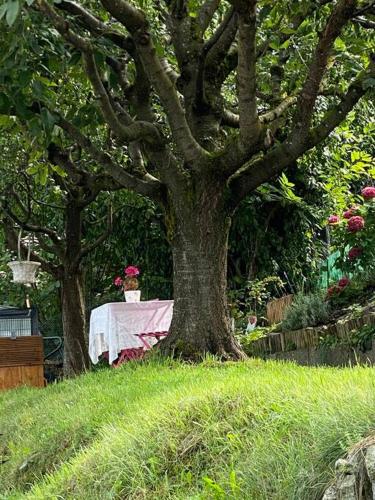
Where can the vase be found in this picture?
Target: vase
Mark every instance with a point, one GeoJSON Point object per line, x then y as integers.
{"type": "Point", "coordinates": [24, 271]}
{"type": "Point", "coordinates": [132, 295]}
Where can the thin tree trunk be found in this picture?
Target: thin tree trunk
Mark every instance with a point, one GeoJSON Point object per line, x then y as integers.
{"type": "Point", "coordinates": [74, 324]}
{"type": "Point", "coordinates": [201, 321]}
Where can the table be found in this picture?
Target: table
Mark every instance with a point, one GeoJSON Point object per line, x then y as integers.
{"type": "Point", "coordinates": [118, 325]}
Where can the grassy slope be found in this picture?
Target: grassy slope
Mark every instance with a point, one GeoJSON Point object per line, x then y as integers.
{"type": "Point", "coordinates": [253, 430]}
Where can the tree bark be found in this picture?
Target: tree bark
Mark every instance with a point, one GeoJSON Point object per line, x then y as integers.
{"type": "Point", "coordinates": [76, 358]}
{"type": "Point", "coordinates": [201, 318]}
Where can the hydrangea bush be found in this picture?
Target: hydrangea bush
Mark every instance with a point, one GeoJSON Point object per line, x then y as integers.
{"type": "Point", "coordinates": [353, 233]}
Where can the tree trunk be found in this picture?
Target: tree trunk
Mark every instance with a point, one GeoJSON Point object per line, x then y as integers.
{"type": "Point", "coordinates": [201, 321]}
{"type": "Point", "coordinates": [76, 358]}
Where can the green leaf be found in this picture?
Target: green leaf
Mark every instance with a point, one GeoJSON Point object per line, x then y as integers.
{"type": "Point", "coordinates": [32, 170]}
{"type": "Point", "coordinates": [13, 7]}
{"type": "Point", "coordinates": [368, 83]}
{"type": "Point", "coordinates": [340, 44]}
{"type": "Point", "coordinates": [6, 122]}
{"type": "Point", "coordinates": [193, 7]}
{"type": "Point", "coordinates": [59, 170]}
{"type": "Point", "coordinates": [47, 118]}
{"type": "Point", "coordinates": [3, 10]}
{"type": "Point", "coordinates": [43, 176]}
{"type": "Point", "coordinates": [4, 103]}
{"type": "Point", "coordinates": [288, 31]}
{"type": "Point", "coordinates": [285, 45]}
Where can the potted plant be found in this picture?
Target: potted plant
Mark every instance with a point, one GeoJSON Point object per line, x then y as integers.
{"type": "Point", "coordinates": [129, 284]}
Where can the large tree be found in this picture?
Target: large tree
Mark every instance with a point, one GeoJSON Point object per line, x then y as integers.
{"type": "Point", "coordinates": [203, 102]}
{"type": "Point", "coordinates": [56, 214]}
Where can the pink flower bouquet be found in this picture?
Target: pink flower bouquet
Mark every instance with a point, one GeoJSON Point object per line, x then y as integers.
{"type": "Point", "coordinates": [130, 281]}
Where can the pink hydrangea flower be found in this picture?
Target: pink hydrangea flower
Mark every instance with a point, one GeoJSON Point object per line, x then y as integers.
{"type": "Point", "coordinates": [368, 192]}
{"type": "Point", "coordinates": [333, 290]}
{"type": "Point", "coordinates": [131, 271]}
{"type": "Point", "coordinates": [343, 282]}
{"type": "Point", "coordinates": [333, 219]}
{"type": "Point", "coordinates": [118, 281]}
{"type": "Point", "coordinates": [354, 253]}
{"type": "Point", "coordinates": [350, 212]}
{"type": "Point", "coordinates": [356, 223]}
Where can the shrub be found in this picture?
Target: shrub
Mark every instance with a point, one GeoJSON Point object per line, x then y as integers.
{"type": "Point", "coordinates": [306, 310]}
{"type": "Point", "coordinates": [354, 234]}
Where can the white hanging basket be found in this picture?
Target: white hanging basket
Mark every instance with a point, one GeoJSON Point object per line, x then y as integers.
{"type": "Point", "coordinates": [132, 295]}
{"type": "Point", "coordinates": [24, 271]}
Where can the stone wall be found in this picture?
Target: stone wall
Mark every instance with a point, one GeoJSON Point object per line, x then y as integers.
{"type": "Point", "coordinates": [355, 475]}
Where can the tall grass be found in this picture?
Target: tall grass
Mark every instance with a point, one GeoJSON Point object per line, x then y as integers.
{"type": "Point", "coordinates": [254, 430]}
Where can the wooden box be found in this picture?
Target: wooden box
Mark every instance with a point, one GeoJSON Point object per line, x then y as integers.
{"type": "Point", "coordinates": [21, 361]}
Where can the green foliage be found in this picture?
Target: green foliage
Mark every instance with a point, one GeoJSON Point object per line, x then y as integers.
{"type": "Point", "coordinates": [345, 163]}
{"type": "Point", "coordinates": [246, 339]}
{"type": "Point", "coordinates": [252, 430]}
{"type": "Point", "coordinates": [252, 299]}
{"type": "Point", "coordinates": [138, 237]}
{"type": "Point", "coordinates": [359, 291]}
{"type": "Point", "coordinates": [360, 339]}
{"type": "Point", "coordinates": [306, 310]}
{"type": "Point", "coordinates": [259, 291]}
{"type": "Point", "coordinates": [362, 240]}
{"type": "Point", "coordinates": [277, 231]}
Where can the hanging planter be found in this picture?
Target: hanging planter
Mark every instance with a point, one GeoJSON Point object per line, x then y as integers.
{"type": "Point", "coordinates": [24, 271]}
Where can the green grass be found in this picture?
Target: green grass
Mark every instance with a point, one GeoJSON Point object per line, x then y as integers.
{"type": "Point", "coordinates": [254, 430]}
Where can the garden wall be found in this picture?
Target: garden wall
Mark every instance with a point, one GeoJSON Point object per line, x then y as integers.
{"type": "Point", "coordinates": [305, 346]}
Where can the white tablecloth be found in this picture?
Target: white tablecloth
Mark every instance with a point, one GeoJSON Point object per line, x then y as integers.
{"type": "Point", "coordinates": [115, 326]}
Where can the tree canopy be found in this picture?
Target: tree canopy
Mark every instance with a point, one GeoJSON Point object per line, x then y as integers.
{"type": "Point", "coordinates": [194, 104]}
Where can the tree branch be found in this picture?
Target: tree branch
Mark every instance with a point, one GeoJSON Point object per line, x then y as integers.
{"type": "Point", "coordinates": [279, 110]}
{"type": "Point", "coordinates": [96, 26]}
{"type": "Point", "coordinates": [230, 61]}
{"type": "Point", "coordinates": [233, 120]}
{"type": "Point", "coordinates": [218, 45]}
{"type": "Point", "coordinates": [57, 248]}
{"type": "Point", "coordinates": [206, 14]}
{"type": "Point", "coordinates": [136, 130]}
{"type": "Point", "coordinates": [340, 15]}
{"type": "Point", "coordinates": [30, 226]}
{"type": "Point", "coordinates": [62, 26]}
{"type": "Point", "coordinates": [246, 70]}
{"type": "Point", "coordinates": [365, 23]}
{"type": "Point", "coordinates": [207, 89]}
{"type": "Point", "coordinates": [281, 156]}
{"type": "Point", "coordinates": [90, 247]}
{"type": "Point", "coordinates": [135, 21]}
{"type": "Point", "coordinates": [147, 185]}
